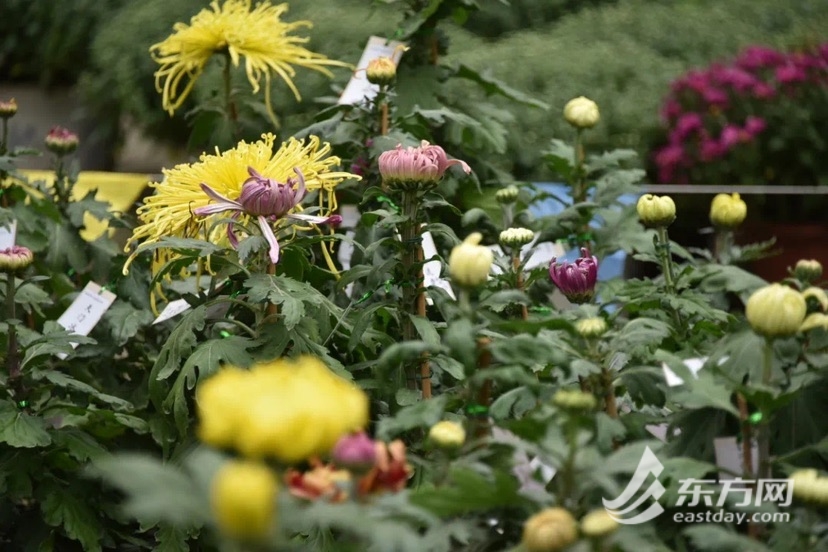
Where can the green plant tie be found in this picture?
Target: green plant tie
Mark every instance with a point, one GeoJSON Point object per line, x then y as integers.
{"type": "Point", "coordinates": [23, 404]}
{"type": "Point", "coordinates": [389, 201]}
{"type": "Point", "coordinates": [477, 410]}
{"type": "Point", "coordinates": [367, 295]}
{"type": "Point", "coordinates": [542, 310]}
{"type": "Point", "coordinates": [225, 334]}
{"type": "Point", "coordinates": [755, 418]}
{"type": "Point", "coordinates": [576, 239]}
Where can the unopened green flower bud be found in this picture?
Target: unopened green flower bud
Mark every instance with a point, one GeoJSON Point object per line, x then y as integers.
{"type": "Point", "coordinates": [574, 399]}
{"type": "Point", "coordinates": [550, 530]}
{"type": "Point", "coordinates": [61, 141]}
{"type": "Point", "coordinates": [507, 195]}
{"type": "Point", "coordinates": [808, 485]}
{"type": "Point", "coordinates": [15, 258]}
{"type": "Point", "coordinates": [381, 71]}
{"type": "Point", "coordinates": [516, 237]}
{"type": "Point", "coordinates": [447, 435]}
{"type": "Point", "coordinates": [582, 112]}
{"type": "Point", "coordinates": [656, 211]}
{"type": "Point", "coordinates": [8, 109]}
{"type": "Point", "coordinates": [816, 296]}
{"type": "Point", "coordinates": [727, 211]}
{"type": "Point", "coordinates": [598, 523]}
{"type": "Point", "coordinates": [470, 263]}
{"type": "Point", "coordinates": [776, 311]}
{"type": "Point", "coordinates": [808, 270]}
{"type": "Point", "coordinates": [591, 327]}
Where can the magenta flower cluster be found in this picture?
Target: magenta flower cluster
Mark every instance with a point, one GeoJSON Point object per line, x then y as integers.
{"type": "Point", "coordinates": [722, 113]}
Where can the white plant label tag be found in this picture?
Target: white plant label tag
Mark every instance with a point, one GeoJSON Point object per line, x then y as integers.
{"type": "Point", "coordinates": [173, 308]}
{"type": "Point", "coordinates": [86, 311]}
{"type": "Point", "coordinates": [8, 235]}
{"type": "Point", "coordinates": [729, 456]}
{"type": "Point", "coordinates": [673, 379]}
{"type": "Point", "coordinates": [358, 88]}
{"type": "Point", "coordinates": [432, 269]}
{"type": "Point", "coordinates": [541, 254]}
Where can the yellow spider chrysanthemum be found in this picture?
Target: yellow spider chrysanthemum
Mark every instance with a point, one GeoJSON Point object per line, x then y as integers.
{"type": "Point", "coordinates": [256, 33]}
{"type": "Point", "coordinates": [170, 211]}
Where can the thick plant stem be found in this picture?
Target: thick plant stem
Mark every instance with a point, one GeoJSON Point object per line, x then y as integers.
{"type": "Point", "coordinates": [519, 284]}
{"type": "Point", "coordinates": [272, 309]}
{"type": "Point", "coordinates": [484, 394]}
{"type": "Point", "coordinates": [764, 426]}
{"type": "Point", "coordinates": [747, 452]}
{"type": "Point", "coordinates": [425, 365]}
{"type": "Point", "coordinates": [666, 258]}
{"type": "Point", "coordinates": [413, 296]}
{"type": "Point", "coordinates": [579, 188]}
{"type": "Point", "coordinates": [15, 381]}
{"type": "Point", "coordinates": [610, 405]}
{"type": "Point", "coordinates": [384, 118]}
{"type": "Point", "coordinates": [724, 243]}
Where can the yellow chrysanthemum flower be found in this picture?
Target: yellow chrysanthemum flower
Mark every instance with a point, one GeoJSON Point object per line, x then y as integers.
{"type": "Point", "coordinates": [257, 34]}
{"type": "Point", "coordinates": [170, 211]}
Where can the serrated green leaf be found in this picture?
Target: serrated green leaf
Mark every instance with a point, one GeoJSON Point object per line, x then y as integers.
{"type": "Point", "coordinates": [125, 321]}
{"type": "Point", "coordinates": [21, 430]}
{"type": "Point", "coordinates": [469, 491]}
{"type": "Point", "coordinates": [66, 381]}
{"type": "Point", "coordinates": [79, 444]}
{"type": "Point", "coordinates": [154, 491]}
{"type": "Point", "coordinates": [79, 522]}
{"type": "Point", "coordinates": [425, 413]}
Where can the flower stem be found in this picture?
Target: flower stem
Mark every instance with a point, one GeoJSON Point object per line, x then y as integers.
{"type": "Point", "coordinates": [610, 406]}
{"type": "Point", "coordinates": [413, 296]}
{"type": "Point", "coordinates": [723, 247]}
{"type": "Point", "coordinates": [4, 145]}
{"type": "Point", "coordinates": [747, 452]}
{"type": "Point", "coordinates": [579, 188]}
{"type": "Point", "coordinates": [519, 284]}
{"type": "Point", "coordinates": [764, 425]}
{"type": "Point", "coordinates": [12, 361]}
{"type": "Point", "coordinates": [484, 394]}
{"type": "Point", "coordinates": [663, 251]}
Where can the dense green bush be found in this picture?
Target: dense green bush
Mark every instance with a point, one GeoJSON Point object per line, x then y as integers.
{"type": "Point", "coordinates": [624, 56]}
{"type": "Point", "coordinates": [47, 41]}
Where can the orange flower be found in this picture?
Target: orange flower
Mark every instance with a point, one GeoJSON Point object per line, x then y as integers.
{"type": "Point", "coordinates": [391, 471]}
{"type": "Point", "coordinates": [323, 481]}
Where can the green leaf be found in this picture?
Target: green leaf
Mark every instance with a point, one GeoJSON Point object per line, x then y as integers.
{"type": "Point", "coordinates": [425, 413]}
{"type": "Point", "coordinates": [491, 85]}
{"type": "Point", "coordinates": [155, 491]}
{"type": "Point", "coordinates": [55, 340]}
{"type": "Point", "coordinates": [426, 330]}
{"type": "Point", "coordinates": [203, 361]}
{"type": "Point", "coordinates": [21, 430]}
{"type": "Point", "coordinates": [125, 321]}
{"type": "Point", "coordinates": [66, 247]}
{"type": "Point", "coordinates": [291, 296]}
{"type": "Point", "coordinates": [407, 397]}
{"type": "Point", "coordinates": [716, 538]}
{"type": "Point", "coordinates": [80, 445]}
{"type": "Point", "coordinates": [76, 210]}
{"type": "Point", "coordinates": [79, 522]}
{"type": "Point", "coordinates": [469, 491]}
{"type": "Point", "coordinates": [66, 381]}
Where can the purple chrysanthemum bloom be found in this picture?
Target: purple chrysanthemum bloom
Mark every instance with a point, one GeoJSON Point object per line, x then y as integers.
{"type": "Point", "coordinates": [576, 280]}
{"type": "Point", "coordinates": [355, 451]}
{"type": "Point", "coordinates": [268, 201]}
